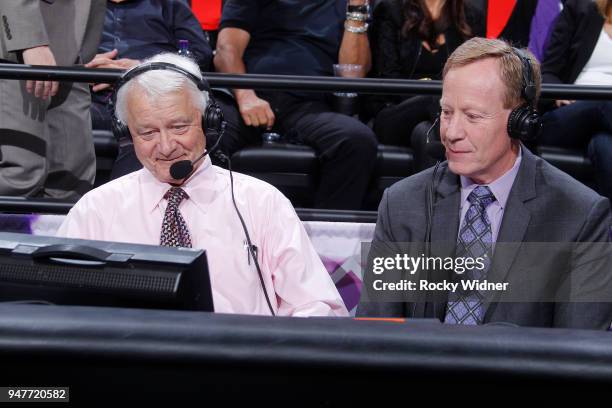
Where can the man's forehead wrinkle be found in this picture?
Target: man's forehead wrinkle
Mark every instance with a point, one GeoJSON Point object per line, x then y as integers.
{"type": "Point", "coordinates": [147, 113]}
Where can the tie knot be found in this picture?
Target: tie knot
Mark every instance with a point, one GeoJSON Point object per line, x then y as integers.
{"type": "Point", "coordinates": [481, 195]}
{"type": "Point", "coordinates": [175, 195]}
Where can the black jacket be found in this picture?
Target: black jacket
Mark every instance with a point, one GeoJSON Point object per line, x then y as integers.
{"type": "Point", "coordinates": [395, 56]}
{"type": "Point", "coordinates": [518, 27]}
{"type": "Point", "coordinates": [572, 41]}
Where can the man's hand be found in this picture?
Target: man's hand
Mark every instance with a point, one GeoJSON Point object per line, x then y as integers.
{"type": "Point", "coordinates": [231, 44]}
{"type": "Point", "coordinates": [40, 56]}
{"type": "Point", "coordinates": [562, 102]}
{"type": "Point", "coordinates": [106, 60]}
{"type": "Point", "coordinates": [254, 110]}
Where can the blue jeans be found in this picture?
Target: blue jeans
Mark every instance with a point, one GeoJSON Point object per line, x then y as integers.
{"type": "Point", "coordinates": [584, 123]}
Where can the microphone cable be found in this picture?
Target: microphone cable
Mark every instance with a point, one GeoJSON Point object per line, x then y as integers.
{"type": "Point", "coordinates": [430, 202]}
{"type": "Point", "coordinates": [251, 248]}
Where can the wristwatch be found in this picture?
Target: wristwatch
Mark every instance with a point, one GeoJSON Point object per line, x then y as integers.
{"type": "Point", "coordinates": [362, 9]}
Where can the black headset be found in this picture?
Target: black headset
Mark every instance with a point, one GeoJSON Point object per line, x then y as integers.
{"type": "Point", "coordinates": [524, 122]}
{"type": "Point", "coordinates": [212, 119]}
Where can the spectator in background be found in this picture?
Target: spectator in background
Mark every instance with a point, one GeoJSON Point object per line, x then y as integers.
{"type": "Point", "coordinates": [510, 20]}
{"type": "Point", "coordinates": [580, 52]}
{"type": "Point", "coordinates": [286, 37]}
{"type": "Point", "coordinates": [208, 14]}
{"type": "Point", "coordinates": [46, 147]}
{"type": "Point", "coordinates": [134, 30]}
{"type": "Point", "coordinates": [542, 23]}
{"type": "Point", "coordinates": [411, 39]}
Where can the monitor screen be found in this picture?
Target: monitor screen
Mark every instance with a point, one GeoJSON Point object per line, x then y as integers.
{"type": "Point", "coordinates": [40, 269]}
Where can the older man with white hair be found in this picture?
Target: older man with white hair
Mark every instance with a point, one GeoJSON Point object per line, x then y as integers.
{"type": "Point", "coordinates": [163, 106]}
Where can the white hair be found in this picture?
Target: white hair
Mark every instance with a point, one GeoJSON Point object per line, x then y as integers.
{"type": "Point", "coordinates": [160, 82]}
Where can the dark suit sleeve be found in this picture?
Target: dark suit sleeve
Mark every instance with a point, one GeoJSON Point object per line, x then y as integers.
{"type": "Point", "coordinates": [557, 55]}
{"type": "Point", "coordinates": [590, 282]}
{"type": "Point", "coordinates": [383, 241]}
{"type": "Point", "coordinates": [186, 27]}
{"type": "Point", "coordinates": [22, 25]}
{"type": "Point", "coordinates": [597, 224]}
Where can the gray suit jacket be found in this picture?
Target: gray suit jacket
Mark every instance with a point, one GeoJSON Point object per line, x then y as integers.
{"type": "Point", "coordinates": [544, 205]}
{"type": "Point", "coordinates": [71, 28]}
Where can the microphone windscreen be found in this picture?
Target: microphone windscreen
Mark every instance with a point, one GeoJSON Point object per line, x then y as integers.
{"type": "Point", "coordinates": [436, 150]}
{"type": "Point", "coordinates": [181, 169]}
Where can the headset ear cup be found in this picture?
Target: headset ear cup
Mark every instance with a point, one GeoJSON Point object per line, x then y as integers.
{"type": "Point", "coordinates": [524, 123]}
{"type": "Point", "coordinates": [119, 129]}
{"type": "Point", "coordinates": [533, 126]}
{"type": "Point", "coordinates": [213, 117]}
{"type": "Point", "coordinates": [512, 123]}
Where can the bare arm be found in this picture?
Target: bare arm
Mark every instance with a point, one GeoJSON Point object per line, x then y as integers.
{"type": "Point", "coordinates": [231, 44]}
{"type": "Point", "coordinates": [355, 47]}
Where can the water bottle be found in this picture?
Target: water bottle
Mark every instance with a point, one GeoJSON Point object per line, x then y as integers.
{"type": "Point", "coordinates": [183, 49]}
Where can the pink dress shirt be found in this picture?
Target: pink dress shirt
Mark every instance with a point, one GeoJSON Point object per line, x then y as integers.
{"type": "Point", "coordinates": [131, 209]}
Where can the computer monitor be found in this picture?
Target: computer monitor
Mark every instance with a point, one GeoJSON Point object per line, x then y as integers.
{"type": "Point", "coordinates": [41, 269]}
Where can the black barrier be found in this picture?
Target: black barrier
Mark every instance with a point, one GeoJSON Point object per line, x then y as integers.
{"type": "Point", "coordinates": [22, 205]}
{"type": "Point", "coordinates": [111, 354]}
{"type": "Point", "coordinates": [307, 214]}
{"type": "Point", "coordinates": [284, 82]}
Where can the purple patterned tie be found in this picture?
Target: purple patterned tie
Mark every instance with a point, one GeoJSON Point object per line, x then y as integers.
{"type": "Point", "coordinates": [475, 240]}
{"type": "Point", "coordinates": [174, 231]}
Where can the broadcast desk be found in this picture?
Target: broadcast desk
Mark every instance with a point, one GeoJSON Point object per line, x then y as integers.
{"type": "Point", "coordinates": [107, 354]}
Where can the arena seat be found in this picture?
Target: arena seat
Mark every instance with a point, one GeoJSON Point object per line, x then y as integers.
{"type": "Point", "coordinates": [294, 169]}
{"type": "Point", "coordinates": [106, 149]}
{"type": "Point", "coordinates": [393, 164]}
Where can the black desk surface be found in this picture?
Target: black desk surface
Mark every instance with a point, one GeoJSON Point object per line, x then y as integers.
{"type": "Point", "coordinates": [192, 352]}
